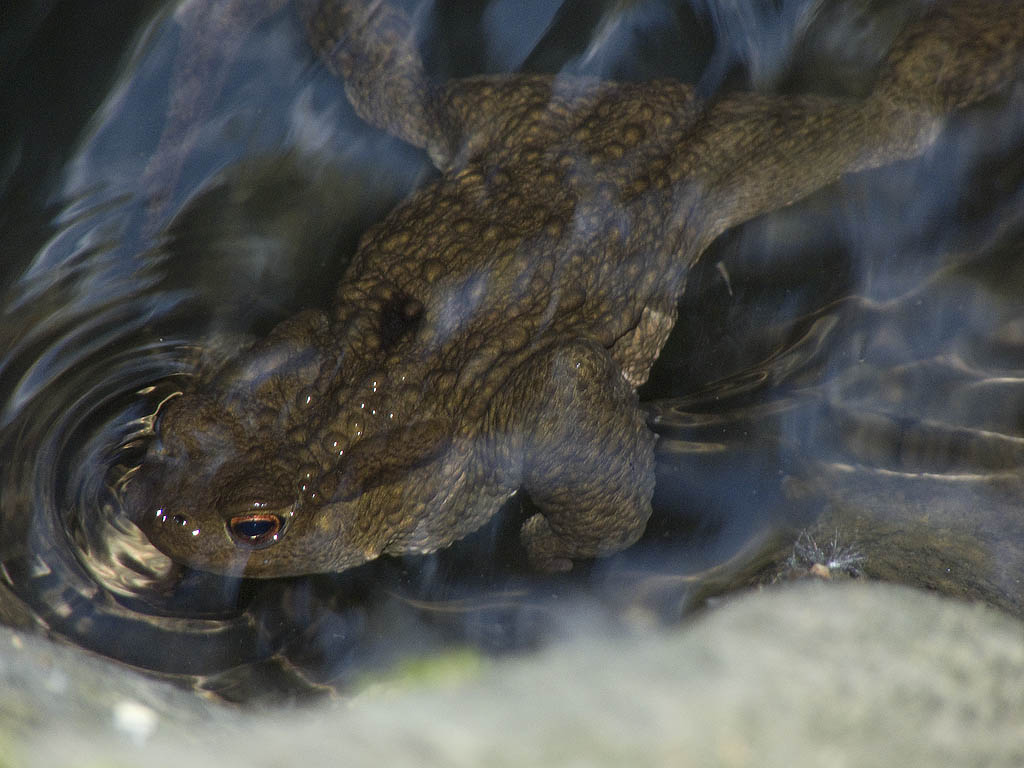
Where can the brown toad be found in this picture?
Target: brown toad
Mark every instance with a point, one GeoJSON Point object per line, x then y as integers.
{"type": "Point", "coordinates": [490, 332]}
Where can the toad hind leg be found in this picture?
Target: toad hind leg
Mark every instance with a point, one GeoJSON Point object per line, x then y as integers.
{"type": "Point", "coordinates": [588, 456]}
{"type": "Point", "coordinates": [371, 45]}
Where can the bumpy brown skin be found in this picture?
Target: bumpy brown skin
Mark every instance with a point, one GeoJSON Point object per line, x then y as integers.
{"type": "Point", "coordinates": [490, 332]}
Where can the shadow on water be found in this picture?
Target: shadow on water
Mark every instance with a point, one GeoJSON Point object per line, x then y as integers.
{"type": "Point", "coordinates": [850, 364]}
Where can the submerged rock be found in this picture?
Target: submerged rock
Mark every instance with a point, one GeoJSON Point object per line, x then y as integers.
{"type": "Point", "coordinates": [813, 673]}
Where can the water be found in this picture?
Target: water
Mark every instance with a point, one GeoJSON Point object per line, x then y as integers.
{"type": "Point", "coordinates": [852, 363]}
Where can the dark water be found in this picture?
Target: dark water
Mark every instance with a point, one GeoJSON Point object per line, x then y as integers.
{"type": "Point", "coordinates": [851, 366]}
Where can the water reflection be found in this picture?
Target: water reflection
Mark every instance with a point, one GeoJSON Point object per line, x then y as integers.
{"type": "Point", "coordinates": [852, 363]}
{"type": "Point", "coordinates": [891, 400]}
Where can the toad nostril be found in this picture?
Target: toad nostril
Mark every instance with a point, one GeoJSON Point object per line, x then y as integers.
{"type": "Point", "coordinates": [180, 519]}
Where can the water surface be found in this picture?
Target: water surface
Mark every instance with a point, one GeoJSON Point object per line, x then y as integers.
{"type": "Point", "coordinates": [850, 366]}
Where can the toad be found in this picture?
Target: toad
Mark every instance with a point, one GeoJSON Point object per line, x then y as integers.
{"type": "Point", "coordinates": [489, 334]}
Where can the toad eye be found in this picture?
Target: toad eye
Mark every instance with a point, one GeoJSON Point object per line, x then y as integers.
{"type": "Point", "coordinates": [255, 530]}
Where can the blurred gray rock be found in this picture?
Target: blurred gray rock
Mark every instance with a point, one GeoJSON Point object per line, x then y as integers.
{"type": "Point", "coordinates": [849, 674]}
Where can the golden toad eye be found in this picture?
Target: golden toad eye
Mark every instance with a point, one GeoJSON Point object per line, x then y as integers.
{"type": "Point", "coordinates": [255, 530]}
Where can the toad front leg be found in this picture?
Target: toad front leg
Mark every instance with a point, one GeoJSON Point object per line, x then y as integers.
{"type": "Point", "coordinates": [587, 454]}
